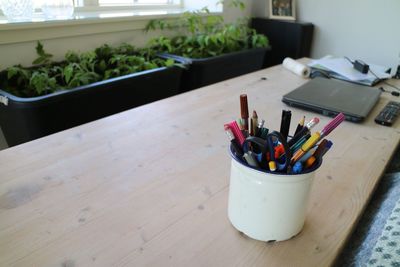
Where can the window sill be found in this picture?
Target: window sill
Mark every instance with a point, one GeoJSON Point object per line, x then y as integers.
{"type": "Point", "coordinates": [83, 23]}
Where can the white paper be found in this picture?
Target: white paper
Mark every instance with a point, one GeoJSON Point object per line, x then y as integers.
{"type": "Point", "coordinates": [343, 67]}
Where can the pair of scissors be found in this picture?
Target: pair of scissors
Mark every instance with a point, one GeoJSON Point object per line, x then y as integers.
{"type": "Point", "coordinates": [265, 150]}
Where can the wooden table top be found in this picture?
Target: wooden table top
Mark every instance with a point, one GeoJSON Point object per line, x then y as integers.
{"type": "Point", "coordinates": [149, 186]}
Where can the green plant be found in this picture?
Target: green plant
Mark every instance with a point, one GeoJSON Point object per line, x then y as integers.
{"type": "Point", "coordinates": [202, 34]}
{"type": "Point", "coordinates": [76, 69]}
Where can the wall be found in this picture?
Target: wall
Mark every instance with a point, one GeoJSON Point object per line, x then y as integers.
{"type": "Point", "coordinates": [364, 29]}
{"type": "Point", "coordinates": [24, 52]}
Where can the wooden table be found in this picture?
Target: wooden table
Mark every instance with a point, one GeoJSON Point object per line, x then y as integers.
{"type": "Point", "coordinates": [149, 186]}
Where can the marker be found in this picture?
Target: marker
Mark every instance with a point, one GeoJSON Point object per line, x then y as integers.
{"type": "Point", "coordinates": [285, 123]}
{"type": "Point", "coordinates": [244, 111]}
{"type": "Point", "coordinates": [236, 132]}
{"type": "Point", "coordinates": [235, 145]}
{"type": "Point", "coordinates": [332, 124]}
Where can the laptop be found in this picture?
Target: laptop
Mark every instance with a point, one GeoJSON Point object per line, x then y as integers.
{"type": "Point", "coordinates": [331, 96]}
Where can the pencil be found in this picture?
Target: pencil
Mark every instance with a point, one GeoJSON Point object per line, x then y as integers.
{"type": "Point", "coordinates": [300, 125]}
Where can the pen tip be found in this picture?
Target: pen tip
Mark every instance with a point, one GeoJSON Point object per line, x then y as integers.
{"type": "Point", "coordinates": [255, 114]}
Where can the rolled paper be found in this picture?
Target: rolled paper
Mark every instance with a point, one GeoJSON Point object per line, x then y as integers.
{"type": "Point", "coordinates": [296, 67]}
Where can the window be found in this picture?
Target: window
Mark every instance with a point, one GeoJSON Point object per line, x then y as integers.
{"type": "Point", "coordinates": [125, 3]}
{"type": "Point", "coordinates": [110, 5]}
{"type": "Point", "coordinates": [133, 2]}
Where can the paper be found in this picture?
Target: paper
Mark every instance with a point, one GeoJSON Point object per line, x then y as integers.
{"type": "Point", "coordinates": [343, 68]}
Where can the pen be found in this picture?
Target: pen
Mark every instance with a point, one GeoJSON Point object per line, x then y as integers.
{"type": "Point", "coordinates": [300, 125]}
{"type": "Point", "coordinates": [315, 137]}
{"type": "Point", "coordinates": [306, 129]}
{"type": "Point", "coordinates": [244, 111]}
{"type": "Point", "coordinates": [253, 123]}
{"type": "Point", "coordinates": [285, 123]}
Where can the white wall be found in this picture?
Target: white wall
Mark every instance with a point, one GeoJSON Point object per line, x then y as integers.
{"type": "Point", "coordinates": [363, 29]}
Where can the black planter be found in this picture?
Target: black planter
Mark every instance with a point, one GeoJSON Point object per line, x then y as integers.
{"type": "Point", "coordinates": [287, 38]}
{"type": "Point", "coordinates": [25, 119]}
{"type": "Point", "coordinates": [205, 71]}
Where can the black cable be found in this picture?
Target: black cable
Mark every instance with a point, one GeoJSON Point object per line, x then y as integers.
{"type": "Point", "coordinates": [394, 93]}
{"type": "Point", "coordinates": [381, 88]}
{"type": "Point", "coordinates": [397, 88]}
{"type": "Point", "coordinates": [352, 62]}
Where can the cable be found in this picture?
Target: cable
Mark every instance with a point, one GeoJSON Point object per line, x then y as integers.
{"type": "Point", "coordinates": [388, 84]}
{"type": "Point", "coordinates": [352, 62]}
{"type": "Point", "coordinates": [391, 85]}
{"type": "Point", "coordinates": [394, 93]}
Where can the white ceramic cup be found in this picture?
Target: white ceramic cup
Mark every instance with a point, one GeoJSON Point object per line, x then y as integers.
{"type": "Point", "coordinates": [268, 206]}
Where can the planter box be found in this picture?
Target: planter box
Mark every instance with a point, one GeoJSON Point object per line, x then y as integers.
{"type": "Point", "coordinates": [205, 71]}
{"type": "Point", "coordinates": [25, 119]}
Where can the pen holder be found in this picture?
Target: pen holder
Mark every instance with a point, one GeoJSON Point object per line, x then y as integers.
{"type": "Point", "coordinates": [268, 206]}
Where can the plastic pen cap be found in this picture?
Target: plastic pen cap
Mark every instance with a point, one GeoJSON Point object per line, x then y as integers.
{"type": "Point", "coordinates": [333, 124]}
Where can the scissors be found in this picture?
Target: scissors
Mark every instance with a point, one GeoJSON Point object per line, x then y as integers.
{"type": "Point", "coordinates": [265, 150]}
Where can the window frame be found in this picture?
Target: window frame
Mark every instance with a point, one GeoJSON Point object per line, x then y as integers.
{"type": "Point", "coordinates": [88, 21]}
{"type": "Point", "coordinates": [93, 6]}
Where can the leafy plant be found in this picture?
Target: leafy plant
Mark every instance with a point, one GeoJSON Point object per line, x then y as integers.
{"type": "Point", "coordinates": [77, 69]}
{"type": "Point", "coordinates": [201, 34]}
{"type": "Point", "coordinates": [44, 58]}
